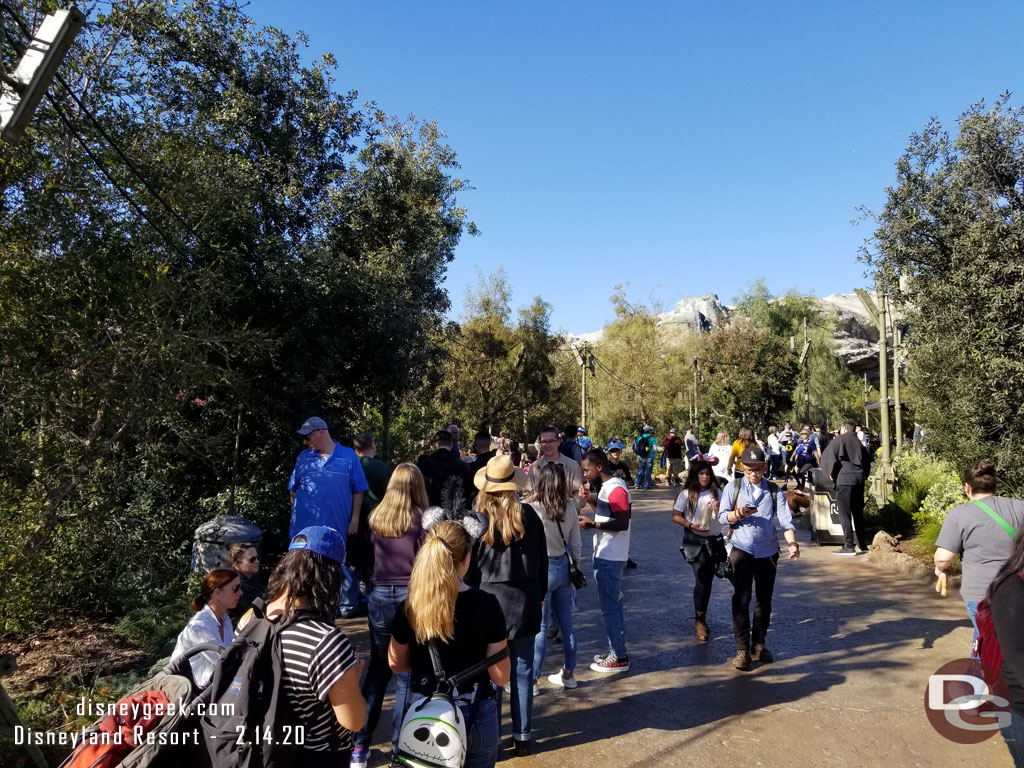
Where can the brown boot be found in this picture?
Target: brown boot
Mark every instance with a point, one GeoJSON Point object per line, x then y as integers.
{"type": "Point", "coordinates": [762, 654]}
{"type": "Point", "coordinates": [742, 660]}
{"type": "Point", "coordinates": [700, 627]}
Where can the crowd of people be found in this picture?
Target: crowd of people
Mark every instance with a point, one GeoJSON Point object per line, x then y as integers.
{"type": "Point", "coordinates": [478, 553]}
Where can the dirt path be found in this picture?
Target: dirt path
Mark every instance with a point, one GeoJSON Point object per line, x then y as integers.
{"type": "Point", "coordinates": [854, 646]}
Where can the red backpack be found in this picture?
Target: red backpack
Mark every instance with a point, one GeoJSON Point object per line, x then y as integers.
{"type": "Point", "coordinates": [986, 646]}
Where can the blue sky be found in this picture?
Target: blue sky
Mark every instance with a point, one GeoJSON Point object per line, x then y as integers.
{"type": "Point", "coordinates": [682, 148]}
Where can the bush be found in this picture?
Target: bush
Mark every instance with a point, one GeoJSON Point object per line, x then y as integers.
{"type": "Point", "coordinates": [151, 629]}
{"type": "Point", "coordinates": [926, 488]}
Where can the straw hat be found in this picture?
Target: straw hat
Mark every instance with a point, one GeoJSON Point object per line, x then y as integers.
{"type": "Point", "coordinates": [500, 475]}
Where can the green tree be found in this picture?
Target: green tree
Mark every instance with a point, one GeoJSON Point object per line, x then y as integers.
{"type": "Point", "coordinates": [297, 271]}
{"type": "Point", "coordinates": [948, 246]}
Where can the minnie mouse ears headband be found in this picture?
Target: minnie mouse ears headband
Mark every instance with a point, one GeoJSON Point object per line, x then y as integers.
{"type": "Point", "coordinates": [473, 522]}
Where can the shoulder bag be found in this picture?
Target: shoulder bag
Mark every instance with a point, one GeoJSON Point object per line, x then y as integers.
{"type": "Point", "coordinates": [577, 577]}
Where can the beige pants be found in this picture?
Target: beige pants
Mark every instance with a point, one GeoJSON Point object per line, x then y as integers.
{"type": "Point", "coordinates": [675, 466]}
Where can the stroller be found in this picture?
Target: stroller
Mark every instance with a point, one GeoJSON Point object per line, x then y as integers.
{"type": "Point", "coordinates": [153, 726]}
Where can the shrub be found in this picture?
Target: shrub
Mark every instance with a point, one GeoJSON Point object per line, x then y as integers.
{"type": "Point", "coordinates": [151, 629]}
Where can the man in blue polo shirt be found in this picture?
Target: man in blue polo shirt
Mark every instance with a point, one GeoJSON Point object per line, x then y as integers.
{"type": "Point", "coordinates": [327, 487]}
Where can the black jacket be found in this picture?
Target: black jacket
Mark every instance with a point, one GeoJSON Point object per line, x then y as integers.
{"type": "Point", "coordinates": [846, 461]}
{"type": "Point", "coordinates": [516, 574]}
{"type": "Point", "coordinates": [438, 469]}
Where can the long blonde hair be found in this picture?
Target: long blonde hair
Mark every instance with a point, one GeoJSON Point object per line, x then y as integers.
{"type": "Point", "coordinates": [406, 495]}
{"type": "Point", "coordinates": [504, 516]}
{"type": "Point", "coordinates": [434, 583]}
{"type": "Point", "coordinates": [722, 438]}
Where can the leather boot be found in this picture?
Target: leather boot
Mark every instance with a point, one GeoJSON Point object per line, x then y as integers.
{"type": "Point", "coordinates": [742, 660]}
{"type": "Point", "coordinates": [700, 627]}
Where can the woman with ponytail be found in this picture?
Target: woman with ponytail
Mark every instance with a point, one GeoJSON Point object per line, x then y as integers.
{"type": "Point", "coordinates": [510, 560]}
{"type": "Point", "coordinates": [210, 623]}
{"type": "Point", "coordinates": [466, 624]}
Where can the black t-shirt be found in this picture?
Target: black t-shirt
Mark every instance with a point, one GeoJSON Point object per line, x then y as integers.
{"type": "Point", "coordinates": [1008, 618]}
{"type": "Point", "coordinates": [478, 623]}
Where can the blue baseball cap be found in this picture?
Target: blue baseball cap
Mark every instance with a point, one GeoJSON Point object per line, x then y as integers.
{"type": "Point", "coordinates": [615, 445]}
{"type": "Point", "coordinates": [322, 540]}
{"type": "Point", "coordinates": [312, 425]}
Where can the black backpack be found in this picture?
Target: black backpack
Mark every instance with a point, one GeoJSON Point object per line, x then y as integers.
{"type": "Point", "coordinates": [642, 448]}
{"type": "Point", "coordinates": [243, 725]}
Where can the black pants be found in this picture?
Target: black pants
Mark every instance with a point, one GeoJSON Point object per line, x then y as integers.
{"type": "Point", "coordinates": [704, 577]}
{"type": "Point", "coordinates": [850, 501]}
{"type": "Point", "coordinates": [757, 575]}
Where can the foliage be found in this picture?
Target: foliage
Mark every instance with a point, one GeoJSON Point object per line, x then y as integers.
{"type": "Point", "coordinates": [948, 248]}
{"type": "Point", "coordinates": [925, 489]}
{"type": "Point", "coordinates": [300, 272]}
{"type": "Point", "coordinates": [152, 628]}
{"type": "Point", "coordinates": [497, 373]}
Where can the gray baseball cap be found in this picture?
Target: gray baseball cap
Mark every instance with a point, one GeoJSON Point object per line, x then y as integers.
{"type": "Point", "coordinates": [312, 425]}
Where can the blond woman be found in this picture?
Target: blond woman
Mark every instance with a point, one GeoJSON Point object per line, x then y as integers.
{"type": "Point", "coordinates": [396, 532]}
{"type": "Point", "coordinates": [510, 560]}
{"type": "Point", "coordinates": [467, 626]}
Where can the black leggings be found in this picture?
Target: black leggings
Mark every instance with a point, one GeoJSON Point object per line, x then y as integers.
{"type": "Point", "coordinates": [757, 575]}
{"type": "Point", "coordinates": [704, 577]}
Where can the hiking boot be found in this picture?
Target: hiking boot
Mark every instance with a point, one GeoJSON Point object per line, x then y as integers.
{"type": "Point", "coordinates": [700, 627]}
{"type": "Point", "coordinates": [610, 663]}
{"type": "Point", "coordinates": [845, 551]}
{"type": "Point", "coordinates": [522, 747]}
{"type": "Point", "coordinates": [762, 654]}
{"type": "Point", "coordinates": [742, 660]}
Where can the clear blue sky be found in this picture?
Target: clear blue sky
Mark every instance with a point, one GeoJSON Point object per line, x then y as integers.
{"type": "Point", "coordinates": [680, 147]}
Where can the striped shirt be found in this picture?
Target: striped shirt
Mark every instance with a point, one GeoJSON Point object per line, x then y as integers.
{"type": "Point", "coordinates": [315, 655]}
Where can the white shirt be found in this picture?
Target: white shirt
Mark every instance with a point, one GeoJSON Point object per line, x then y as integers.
{"type": "Point", "coordinates": [721, 452]}
{"type": "Point", "coordinates": [773, 445]}
{"type": "Point", "coordinates": [203, 627]}
{"type": "Point", "coordinates": [611, 545]}
{"type": "Point", "coordinates": [699, 515]}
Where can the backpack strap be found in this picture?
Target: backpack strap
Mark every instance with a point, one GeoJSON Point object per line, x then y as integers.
{"type": "Point", "coordinates": [995, 516]}
{"type": "Point", "coordinates": [435, 660]}
{"type": "Point", "coordinates": [470, 672]}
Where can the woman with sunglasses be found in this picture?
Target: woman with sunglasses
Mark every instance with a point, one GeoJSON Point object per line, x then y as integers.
{"type": "Point", "coordinates": [210, 623]}
{"type": "Point", "coordinates": [245, 561]}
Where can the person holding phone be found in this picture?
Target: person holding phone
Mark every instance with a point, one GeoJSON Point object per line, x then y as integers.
{"type": "Point", "coordinates": [751, 505]}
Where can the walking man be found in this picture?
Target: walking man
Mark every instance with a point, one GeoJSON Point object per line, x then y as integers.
{"type": "Point", "coordinates": [611, 551]}
{"type": "Point", "coordinates": [848, 464]}
{"type": "Point", "coordinates": [645, 446]}
{"type": "Point", "coordinates": [673, 446]}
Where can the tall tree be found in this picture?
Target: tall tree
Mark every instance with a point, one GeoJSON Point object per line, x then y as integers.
{"type": "Point", "coordinates": [948, 246]}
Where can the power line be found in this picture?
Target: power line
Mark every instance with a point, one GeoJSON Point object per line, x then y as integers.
{"type": "Point", "coordinates": [25, 30]}
{"type": "Point", "coordinates": [106, 172]}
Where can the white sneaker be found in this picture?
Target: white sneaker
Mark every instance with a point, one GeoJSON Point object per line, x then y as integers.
{"type": "Point", "coordinates": [536, 689]}
{"type": "Point", "coordinates": [562, 682]}
{"type": "Point", "coordinates": [358, 759]}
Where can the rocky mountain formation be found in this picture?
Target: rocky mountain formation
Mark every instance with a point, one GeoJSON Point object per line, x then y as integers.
{"type": "Point", "coordinates": [855, 339]}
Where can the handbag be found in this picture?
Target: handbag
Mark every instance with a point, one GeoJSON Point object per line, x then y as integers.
{"type": "Point", "coordinates": [715, 546]}
{"type": "Point", "coordinates": [576, 577]}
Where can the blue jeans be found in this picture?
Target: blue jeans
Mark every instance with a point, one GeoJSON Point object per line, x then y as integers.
{"type": "Point", "coordinates": [972, 611]}
{"type": "Point", "coordinates": [350, 595]}
{"type": "Point", "coordinates": [608, 574]}
{"type": "Point", "coordinates": [644, 467]}
{"type": "Point", "coordinates": [383, 609]}
{"type": "Point", "coordinates": [520, 651]}
{"type": "Point", "coordinates": [482, 734]}
{"type": "Point", "coordinates": [1013, 735]}
{"type": "Point", "coordinates": [559, 600]}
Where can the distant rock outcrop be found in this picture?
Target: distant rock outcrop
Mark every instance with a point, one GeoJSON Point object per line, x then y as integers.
{"type": "Point", "coordinates": [855, 338]}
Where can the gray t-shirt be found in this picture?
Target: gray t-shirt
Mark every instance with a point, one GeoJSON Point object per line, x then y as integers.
{"type": "Point", "coordinates": [983, 544]}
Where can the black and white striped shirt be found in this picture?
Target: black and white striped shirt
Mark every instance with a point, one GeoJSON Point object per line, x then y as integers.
{"type": "Point", "coordinates": [315, 655]}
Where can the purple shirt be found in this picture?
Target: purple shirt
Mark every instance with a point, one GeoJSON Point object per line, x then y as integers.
{"type": "Point", "coordinates": [392, 564]}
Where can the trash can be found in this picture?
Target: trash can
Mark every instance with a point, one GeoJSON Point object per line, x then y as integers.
{"type": "Point", "coordinates": [825, 526]}
{"type": "Point", "coordinates": [212, 539]}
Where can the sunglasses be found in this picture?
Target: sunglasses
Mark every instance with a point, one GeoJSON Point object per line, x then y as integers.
{"type": "Point", "coordinates": [253, 559]}
{"type": "Point", "coordinates": [236, 588]}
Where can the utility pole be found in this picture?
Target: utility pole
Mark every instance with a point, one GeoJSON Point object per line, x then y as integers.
{"type": "Point", "coordinates": [696, 373]}
{"type": "Point", "coordinates": [807, 376]}
{"type": "Point", "coordinates": [867, 394]}
{"type": "Point", "coordinates": [586, 363]}
{"type": "Point", "coordinates": [896, 340]}
{"type": "Point", "coordinates": [879, 314]}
